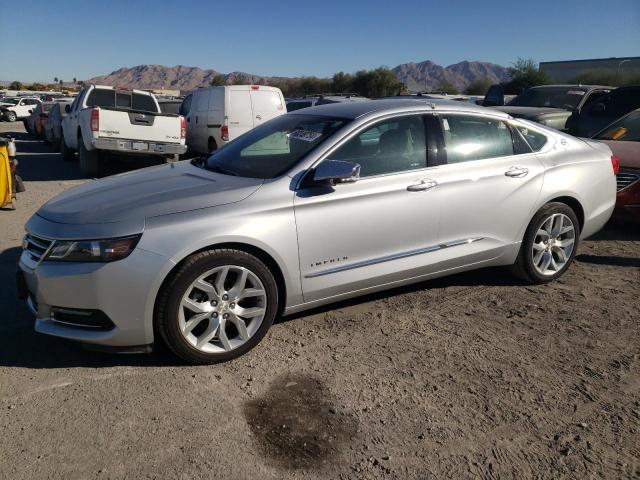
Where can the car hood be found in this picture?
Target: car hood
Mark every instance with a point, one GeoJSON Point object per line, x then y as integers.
{"type": "Point", "coordinates": [628, 153]}
{"type": "Point", "coordinates": [533, 113]}
{"type": "Point", "coordinates": [130, 198]}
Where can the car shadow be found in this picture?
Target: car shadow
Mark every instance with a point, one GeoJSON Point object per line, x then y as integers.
{"type": "Point", "coordinates": [609, 260]}
{"type": "Point", "coordinates": [615, 230]}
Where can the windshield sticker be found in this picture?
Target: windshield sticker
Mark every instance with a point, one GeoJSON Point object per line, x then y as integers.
{"type": "Point", "coordinates": [445, 124]}
{"type": "Point", "coordinates": [575, 92]}
{"type": "Point", "coordinates": [304, 135]}
{"type": "Point", "coordinates": [502, 126]}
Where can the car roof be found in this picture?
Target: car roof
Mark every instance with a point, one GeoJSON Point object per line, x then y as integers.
{"type": "Point", "coordinates": [575, 85]}
{"type": "Point", "coordinates": [355, 110]}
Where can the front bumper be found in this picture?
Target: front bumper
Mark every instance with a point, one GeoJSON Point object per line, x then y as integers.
{"type": "Point", "coordinates": [138, 147]}
{"type": "Point", "coordinates": [124, 291]}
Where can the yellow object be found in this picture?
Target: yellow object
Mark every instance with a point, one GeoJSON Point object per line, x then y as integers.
{"type": "Point", "coordinates": [6, 185]}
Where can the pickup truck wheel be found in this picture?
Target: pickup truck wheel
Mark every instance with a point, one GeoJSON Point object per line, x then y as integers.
{"type": "Point", "coordinates": [68, 155]}
{"type": "Point", "coordinates": [10, 116]}
{"type": "Point", "coordinates": [217, 306]}
{"type": "Point", "coordinates": [90, 161]}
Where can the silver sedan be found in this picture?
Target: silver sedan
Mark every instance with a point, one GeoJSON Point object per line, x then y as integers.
{"type": "Point", "coordinates": [312, 207]}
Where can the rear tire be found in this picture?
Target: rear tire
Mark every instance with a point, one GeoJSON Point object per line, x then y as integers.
{"type": "Point", "coordinates": [549, 245]}
{"type": "Point", "coordinates": [212, 146]}
{"type": "Point", "coordinates": [219, 300]}
{"type": "Point", "coordinates": [90, 161]}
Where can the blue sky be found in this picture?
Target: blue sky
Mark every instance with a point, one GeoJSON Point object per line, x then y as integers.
{"type": "Point", "coordinates": [85, 38]}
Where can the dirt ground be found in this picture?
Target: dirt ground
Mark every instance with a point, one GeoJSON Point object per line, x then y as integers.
{"type": "Point", "coordinates": [472, 376]}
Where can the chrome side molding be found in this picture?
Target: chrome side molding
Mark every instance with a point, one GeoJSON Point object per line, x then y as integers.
{"type": "Point", "coordinates": [395, 256]}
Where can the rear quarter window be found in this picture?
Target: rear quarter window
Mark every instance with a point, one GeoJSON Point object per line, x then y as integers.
{"type": "Point", "coordinates": [145, 103]}
{"type": "Point", "coordinates": [535, 139]}
{"type": "Point", "coordinates": [101, 98]}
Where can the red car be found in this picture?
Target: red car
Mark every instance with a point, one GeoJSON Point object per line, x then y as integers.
{"type": "Point", "coordinates": [623, 137]}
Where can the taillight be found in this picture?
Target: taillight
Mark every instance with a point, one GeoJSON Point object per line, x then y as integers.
{"type": "Point", "coordinates": [224, 133]}
{"type": "Point", "coordinates": [95, 120]}
{"type": "Point", "coordinates": [615, 164]}
{"type": "Point", "coordinates": [255, 87]}
{"type": "Point", "coordinates": [183, 127]}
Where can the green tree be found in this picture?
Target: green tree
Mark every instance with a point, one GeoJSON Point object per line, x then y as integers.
{"type": "Point", "coordinates": [479, 86]}
{"type": "Point", "coordinates": [377, 83]}
{"type": "Point", "coordinates": [60, 82]}
{"type": "Point", "coordinates": [55, 79]}
{"type": "Point", "coordinates": [447, 87]}
{"type": "Point", "coordinates": [75, 80]}
{"type": "Point", "coordinates": [36, 87]}
{"type": "Point", "coordinates": [613, 78]}
{"type": "Point", "coordinates": [525, 74]}
{"type": "Point", "coordinates": [342, 82]}
{"type": "Point", "coordinates": [15, 85]}
{"type": "Point", "coordinates": [217, 80]}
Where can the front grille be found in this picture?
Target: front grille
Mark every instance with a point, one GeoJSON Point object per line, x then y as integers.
{"type": "Point", "coordinates": [36, 246]}
{"type": "Point", "coordinates": [626, 178]}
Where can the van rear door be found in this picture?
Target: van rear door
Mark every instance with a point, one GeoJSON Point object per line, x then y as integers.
{"type": "Point", "coordinates": [267, 104]}
{"type": "Point", "coordinates": [239, 119]}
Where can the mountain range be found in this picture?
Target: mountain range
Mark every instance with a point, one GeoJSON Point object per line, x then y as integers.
{"type": "Point", "coordinates": [416, 76]}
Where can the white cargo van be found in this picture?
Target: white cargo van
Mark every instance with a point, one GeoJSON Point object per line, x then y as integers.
{"type": "Point", "coordinates": [217, 115]}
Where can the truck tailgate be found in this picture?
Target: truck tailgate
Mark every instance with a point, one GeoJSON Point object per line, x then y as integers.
{"type": "Point", "coordinates": [133, 125]}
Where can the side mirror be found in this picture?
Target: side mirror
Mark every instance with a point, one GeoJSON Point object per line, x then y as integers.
{"type": "Point", "coordinates": [67, 108]}
{"type": "Point", "coordinates": [336, 171]}
{"type": "Point", "coordinates": [31, 110]}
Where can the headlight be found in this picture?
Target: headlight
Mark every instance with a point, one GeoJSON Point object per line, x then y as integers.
{"type": "Point", "coordinates": [108, 250]}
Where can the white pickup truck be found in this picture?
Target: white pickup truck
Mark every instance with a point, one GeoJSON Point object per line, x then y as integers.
{"type": "Point", "coordinates": [105, 120]}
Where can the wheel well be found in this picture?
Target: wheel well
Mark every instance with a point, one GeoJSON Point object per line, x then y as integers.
{"type": "Point", "coordinates": [574, 205]}
{"type": "Point", "coordinates": [215, 144]}
{"type": "Point", "coordinates": [255, 251]}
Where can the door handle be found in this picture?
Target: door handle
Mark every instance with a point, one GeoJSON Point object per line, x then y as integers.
{"type": "Point", "coordinates": [517, 172]}
{"type": "Point", "coordinates": [258, 117]}
{"type": "Point", "coordinates": [188, 119]}
{"type": "Point", "coordinates": [422, 185]}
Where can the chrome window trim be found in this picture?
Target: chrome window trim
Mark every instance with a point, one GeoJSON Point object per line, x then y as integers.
{"type": "Point", "coordinates": [395, 256]}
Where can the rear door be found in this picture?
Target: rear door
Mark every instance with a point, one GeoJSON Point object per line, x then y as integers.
{"type": "Point", "coordinates": [239, 114]}
{"type": "Point", "coordinates": [488, 186]}
{"type": "Point", "coordinates": [266, 104]}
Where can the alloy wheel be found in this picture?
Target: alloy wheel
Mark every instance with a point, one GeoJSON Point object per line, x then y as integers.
{"type": "Point", "coordinates": [222, 309]}
{"type": "Point", "coordinates": [553, 244]}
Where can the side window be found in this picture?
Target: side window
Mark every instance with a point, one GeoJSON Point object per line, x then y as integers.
{"type": "Point", "coordinates": [535, 140]}
{"type": "Point", "coordinates": [391, 146]}
{"type": "Point", "coordinates": [594, 96]}
{"type": "Point", "coordinates": [468, 138]}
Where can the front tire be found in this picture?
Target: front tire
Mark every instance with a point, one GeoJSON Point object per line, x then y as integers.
{"type": "Point", "coordinates": [11, 116]}
{"type": "Point", "coordinates": [68, 155]}
{"type": "Point", "coordinates": [550, 244]}
{"type": "Point", "coordinates": [218, 306]}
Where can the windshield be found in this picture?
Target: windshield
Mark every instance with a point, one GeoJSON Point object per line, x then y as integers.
{"type": "Point", "coordinates": [567, 98]}
{"type": "Point", "coordinates": [12, 101]}
{"type": "Point", "coordinates": [626, 129]}
{"type": "Point", "coordinates": [271, 149]}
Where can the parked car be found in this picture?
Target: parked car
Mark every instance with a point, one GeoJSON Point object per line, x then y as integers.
{"type": "Point", "coordinates": [217, 115]}
{"type": "Point", "coordinates": [53, 124]}
{"type": "Point", "coordinates": [299, 103]}
{"type": "Point", "coordinates": [314, 206]}
{"type": "Point", "coordinates": [103, 120]}
{"type": "Point", "coordinates": [552, 105]}
{"type": "Point", "coordinates": [606, 109]}
{"type": "Point", "coordinates": [623, 137]}
{"type": "Point", "coordinates": [34, 123]}
{"type": "Point", "coordinates": [17, 108]}
{"type": "Point", "coordinates": [170, 105]}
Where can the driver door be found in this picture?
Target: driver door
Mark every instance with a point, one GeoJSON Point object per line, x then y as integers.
{"type": "Point", "coordinates": [378, 230]}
